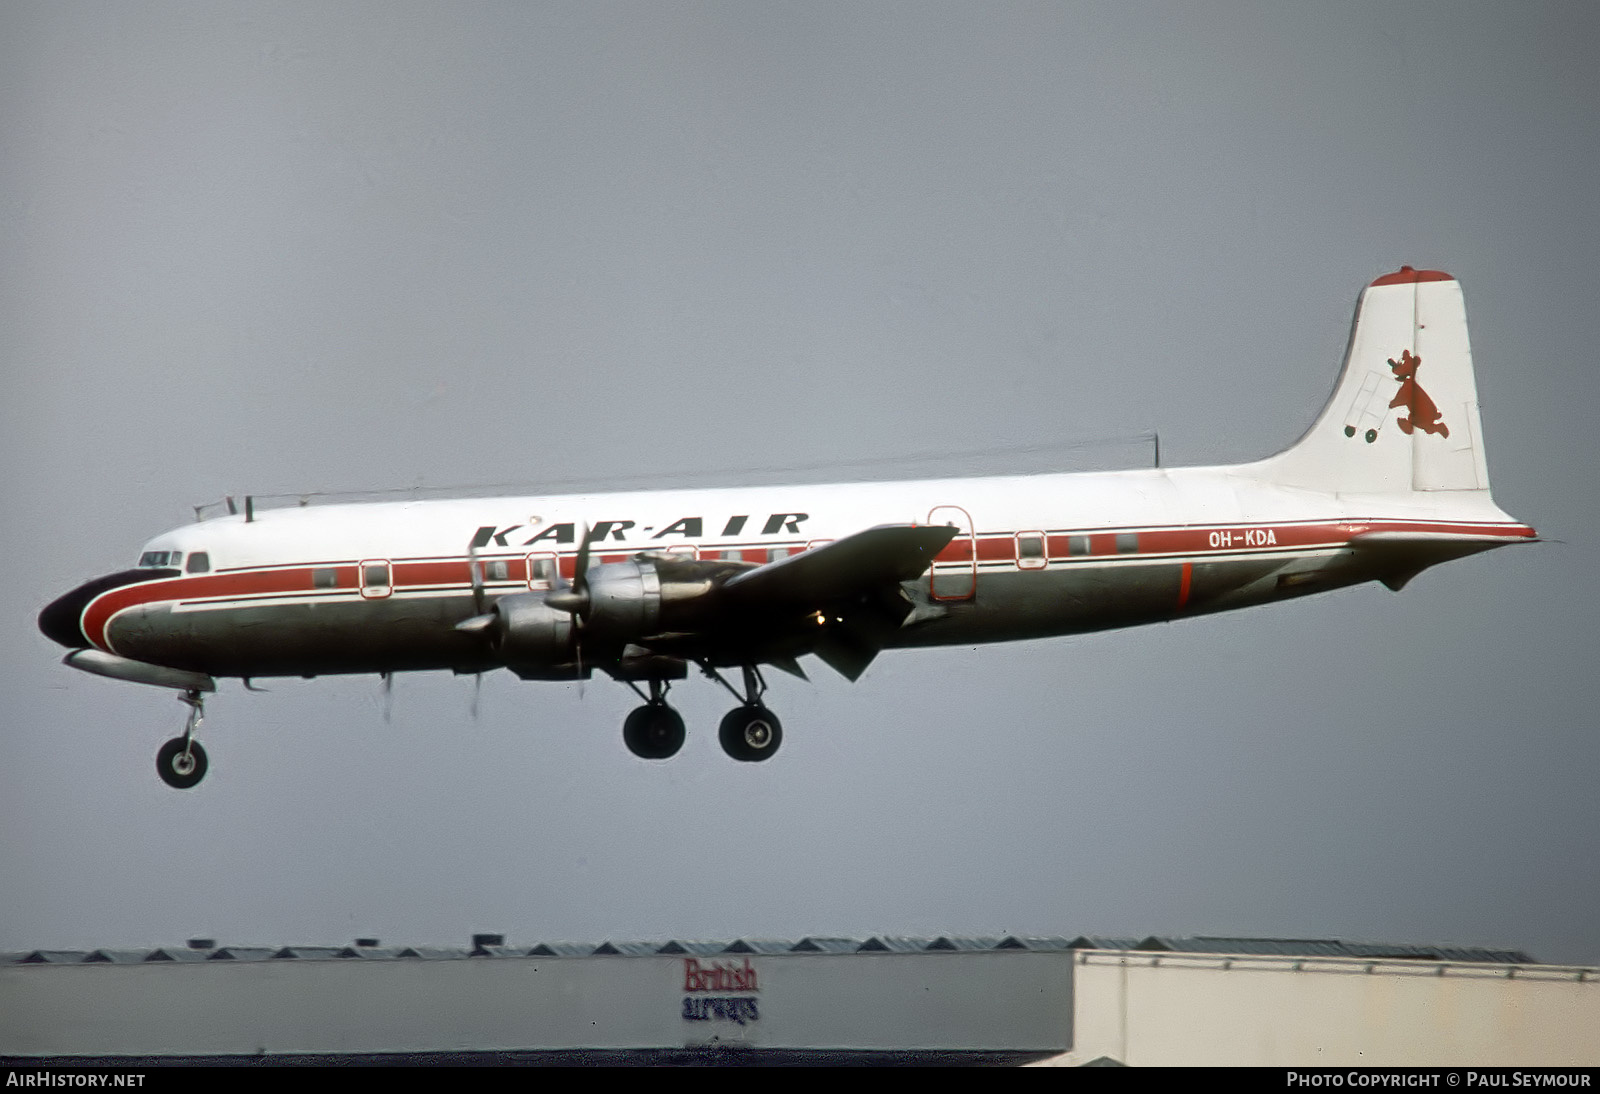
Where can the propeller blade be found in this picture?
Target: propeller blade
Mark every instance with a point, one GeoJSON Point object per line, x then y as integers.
{"type": "Point", "coordinates": [580, 572]}
{"type": "Point", "coordinates": [476, 568]}
{"type": "Point", "coordinates": [579, 598]}
{"type": "Point", "coordinates": [574, 598]}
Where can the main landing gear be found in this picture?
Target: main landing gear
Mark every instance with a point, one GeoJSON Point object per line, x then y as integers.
{"type": "Point", "coordinates": [181, 762]}
{"type": "Point", "coordinates": [653, 731]}
{"type": "Point", "coordinates": [749, 733]}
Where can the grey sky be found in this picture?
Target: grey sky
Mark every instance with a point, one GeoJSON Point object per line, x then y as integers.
{"type": "Point", "coordinates": [264, 247]}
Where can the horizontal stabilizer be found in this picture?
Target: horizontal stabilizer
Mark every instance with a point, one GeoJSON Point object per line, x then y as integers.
{"type": "Point", "coordinates": [1404, 555]}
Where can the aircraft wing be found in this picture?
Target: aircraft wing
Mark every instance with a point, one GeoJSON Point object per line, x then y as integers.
{"type": "Point", "coordinates": [852, 583]}
{"type": "Point", "coordinates": [885, 555]}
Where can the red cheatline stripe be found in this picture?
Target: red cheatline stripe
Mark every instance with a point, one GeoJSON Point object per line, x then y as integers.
{"type": "Point", "coordinates": [102, 608]}
{"type": "Point", "coordinates": [1169, 540]}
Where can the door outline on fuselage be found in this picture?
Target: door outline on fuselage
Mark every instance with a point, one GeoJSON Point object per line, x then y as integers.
{"type": "Point", "coordinates": [952, 581]}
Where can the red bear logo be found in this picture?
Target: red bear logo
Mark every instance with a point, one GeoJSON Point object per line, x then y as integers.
{"type": "Point", "coordinates": [1424, 414]}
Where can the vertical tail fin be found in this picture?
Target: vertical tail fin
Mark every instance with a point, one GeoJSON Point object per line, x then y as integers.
{"type": "Point", "coordinates": [1404, 416]}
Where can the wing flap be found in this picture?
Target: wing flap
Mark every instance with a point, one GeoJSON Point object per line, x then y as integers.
{"type": "Point", "coordinates": [854, 585]}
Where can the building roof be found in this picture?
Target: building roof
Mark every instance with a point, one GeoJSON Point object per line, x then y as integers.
{"type": "Point", "coordinates": [493, 946]}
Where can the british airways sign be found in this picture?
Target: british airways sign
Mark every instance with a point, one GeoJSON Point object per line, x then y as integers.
{"type": "Point", "coordinates": [720, 991]}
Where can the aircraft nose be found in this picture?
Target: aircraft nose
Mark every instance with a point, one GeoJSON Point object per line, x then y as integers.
{"type": "Point", "coordinates": [62, 619]}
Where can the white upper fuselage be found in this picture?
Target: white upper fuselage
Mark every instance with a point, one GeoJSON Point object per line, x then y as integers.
{"type": "Point", "coordinates": [1199, 498]}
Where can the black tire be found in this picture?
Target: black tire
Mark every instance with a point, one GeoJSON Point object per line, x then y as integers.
{"type": "Point", "coordinates": [750, 734]}
{"type": "Point", "coordinates": [175, 771]}
{"type": "Point", "coordinates": [653, 732]}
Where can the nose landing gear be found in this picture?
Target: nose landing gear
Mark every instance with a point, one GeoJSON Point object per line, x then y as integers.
{"type": "Point", "coordinates": [181, 762]}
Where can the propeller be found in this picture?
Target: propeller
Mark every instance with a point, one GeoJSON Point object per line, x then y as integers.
{"type": "Point", "coordinates": [481, 621]}
{"type": "Point", "coordinates": [574, 599]}
{"type": "Point", "coordinates": [479, 600]}
{"type": "Point", "coordinates": [484, 619]}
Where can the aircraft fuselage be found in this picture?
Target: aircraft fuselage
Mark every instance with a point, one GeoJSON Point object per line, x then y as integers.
{"type": "Point", "coordinates": [381, 587]}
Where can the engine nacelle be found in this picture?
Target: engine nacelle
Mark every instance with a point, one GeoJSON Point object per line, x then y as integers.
{"type": "Point", "coordinates": [624, 601]}
{"type": "Point", "coordinates": [552, 635]}
{"type": "Point", "coordinates": [528, 632]}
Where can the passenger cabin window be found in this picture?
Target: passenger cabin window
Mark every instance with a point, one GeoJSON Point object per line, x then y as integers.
{"type": "Point", "coordinates": [1030, 551]}
{"type": "Point", "coordinates": [325, 577]}
{"type": "Point", "coordinates": [199, 563]}
{"type": "Point", "coordinates": [1077, 545]}
{"type": "Point", "coordinates": [541, 571]}
{"type": "Point", "coordinates": [1127, 543]}
{"type": "Point", "coordinates": [497, 569]}
{"type": "Point", "coordinates": [375, 580]}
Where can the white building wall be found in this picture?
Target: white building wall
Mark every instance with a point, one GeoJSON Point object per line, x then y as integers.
{"type": "Point", "coordinates": [990, 1000]}
{"type": "Point", "coordinates": [1145, 1009]}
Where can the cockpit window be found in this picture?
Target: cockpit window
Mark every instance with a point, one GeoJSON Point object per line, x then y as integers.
{"type": "Point", "coordinates": [199, 563]}
{"type": "Point", "coordinates": [160, 558]}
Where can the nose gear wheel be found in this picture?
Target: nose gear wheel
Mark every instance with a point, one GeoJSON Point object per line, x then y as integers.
{"type": "Point", "coordinates": [181, 762]}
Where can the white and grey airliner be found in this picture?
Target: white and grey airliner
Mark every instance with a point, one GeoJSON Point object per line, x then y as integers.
{"type": "Point", "coordinates": [1391, 479]}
